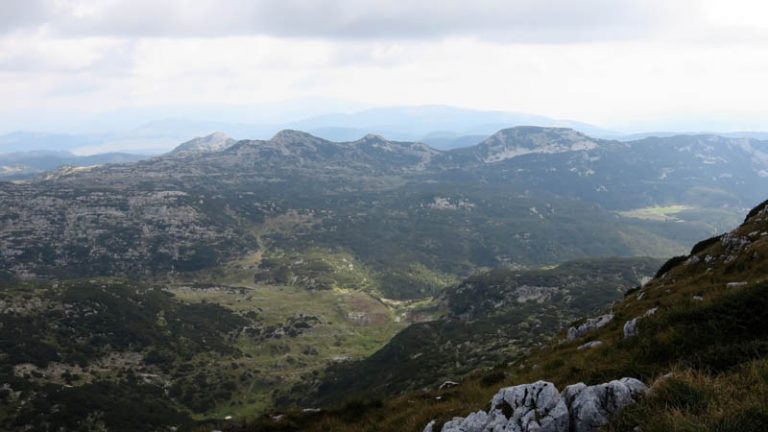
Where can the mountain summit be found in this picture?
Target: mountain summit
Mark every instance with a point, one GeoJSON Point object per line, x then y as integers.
{"type": "Point", "coordinates": [522, 140]}
{"type": "Point", "coordinates": [214, 142]}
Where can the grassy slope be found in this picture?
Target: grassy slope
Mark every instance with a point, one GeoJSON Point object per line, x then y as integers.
{"type": "Point", "coordinates": [709, 335]}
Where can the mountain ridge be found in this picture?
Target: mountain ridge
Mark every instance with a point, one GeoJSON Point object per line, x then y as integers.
{"type": "Point", "coordinates": [256, 180]}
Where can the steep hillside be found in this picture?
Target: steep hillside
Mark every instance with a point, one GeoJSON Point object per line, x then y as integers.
{"type": "Point", "coordinates": [695, 334]}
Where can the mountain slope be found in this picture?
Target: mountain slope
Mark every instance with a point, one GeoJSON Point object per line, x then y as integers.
{"type": "Point", "coordinates": [25, 165]}
{"type": "Point", "coordinates": [412, 216]}
{"type": "Point", "coordinates": [486, 319]}
{"type": "Point", "coordinates": [696, 333]}
{"type": "Point", "coordinates": [519, 141]}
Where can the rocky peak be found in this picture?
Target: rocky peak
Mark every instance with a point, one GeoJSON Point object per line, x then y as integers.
{"type": "Point", "coordinates": [521, 140]}
{"type": "Point", "coordinates": [290, 136]}
{"type": "Point", "coordinates": [216, 141]}
{"type": "Point", "coordinates": [373, 138]}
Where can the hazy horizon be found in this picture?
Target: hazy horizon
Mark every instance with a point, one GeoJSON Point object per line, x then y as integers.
{"type": "Point", "coordinates": [637, 66]}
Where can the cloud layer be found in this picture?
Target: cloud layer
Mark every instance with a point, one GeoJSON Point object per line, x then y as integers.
{"type": "Point", "coordinates": [513, 20]}
{"type": "Point", "coordinates": [610, 62]}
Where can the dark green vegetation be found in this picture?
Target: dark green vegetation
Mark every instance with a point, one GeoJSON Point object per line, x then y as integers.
{"type": "Point", "coordinates": [173, 354]}
{"type": "Point", "coordinates": [703, 352]}
{"type": "Point", "coordinates": [110, 353]}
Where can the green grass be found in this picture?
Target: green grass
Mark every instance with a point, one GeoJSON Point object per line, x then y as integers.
{"type": "Point", "coordinates": [691, 401]}
{"type": "Point", "coordinates": [352, 325]}
{"type": "Point", "coordinates": [656, 213]}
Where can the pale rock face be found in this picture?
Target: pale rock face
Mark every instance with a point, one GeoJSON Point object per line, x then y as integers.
{"type": "Point", "coordinates": [539, 407]}
{"type": "Point", "coordinates": [430, 427]}
{"type": "Point", "coordinates": [590, 345]}
{"type": "Point", "coordinates": [630, 327]}
{"type": "Point", "coordinates": [514, 142]}
{"type": "Point", "coordinates": [591, 406]}
{"type": "Point", "coordinates": [215, 142]}
{"type": "Point", "coordinates": [590, 325]}
{"type": "Point", "coordinates": [535, 407]}
{"type": "Point", "coordinates": [524, 408]}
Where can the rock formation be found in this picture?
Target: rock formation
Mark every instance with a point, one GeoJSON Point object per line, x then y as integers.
{"type": "Point", "coordinates": [539, 407]}
{"type": "Point", "coordinates": [590, 325]}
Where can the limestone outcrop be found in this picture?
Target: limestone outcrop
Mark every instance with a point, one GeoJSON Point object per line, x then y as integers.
{"type": "Point", "coordinates": [540, 407]}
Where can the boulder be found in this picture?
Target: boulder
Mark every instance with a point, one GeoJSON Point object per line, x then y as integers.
{"type": "Point", "coordinates": [524, 408]}
{"type": "Point", "coordinates": [630, 327]}
{"type": "Point", "coordinates": [590, 407]}
{"type": "Point", "coordinates": [590, 345]}
{"type": "Point", "coordinates": [539, 407]}
{"type": "Point", "coordinates": [533, 407]}
{"type": "Point", "coordinates": [591, 324]}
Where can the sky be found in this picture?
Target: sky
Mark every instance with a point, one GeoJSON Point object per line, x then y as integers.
{"type": "Point", "coordinates": [628, 65]}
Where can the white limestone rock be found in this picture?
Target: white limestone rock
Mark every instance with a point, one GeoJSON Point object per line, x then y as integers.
{"type": "Point", "coordinates": [590, 407]}
{"type": "Point", "coordinates": [590, 345]}
{"type": "Point", "coordinates": [539, 407]}
{"type": "Point", "coordinates": [590, 325]}
{"type": "Point", "coordinates": [536, 407]}
{"type": "Point", "coordinates": [630, 327]}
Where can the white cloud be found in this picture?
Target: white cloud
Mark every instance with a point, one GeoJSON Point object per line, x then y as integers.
{"type": "Point", "coordinates": [607, 62]}
{"type": "Point", "coordinates": [523, 20]}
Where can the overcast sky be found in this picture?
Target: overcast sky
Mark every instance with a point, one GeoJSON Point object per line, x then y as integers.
{"type": "Point", "coordinates": [621, 64]}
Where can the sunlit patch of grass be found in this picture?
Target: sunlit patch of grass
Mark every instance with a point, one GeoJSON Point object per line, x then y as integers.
{"type": "Point", "coordinates": [352, 325]}
{"type": "Point", "coordinates": [656, 213]}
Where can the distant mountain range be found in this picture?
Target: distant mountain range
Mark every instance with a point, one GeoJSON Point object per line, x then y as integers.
{"type": "Point", "coordinates": [525, 196]}
{"type": "Point", "coordinates": [442, 127]}
{"type": "Point", "coordinates": [25, 165]}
